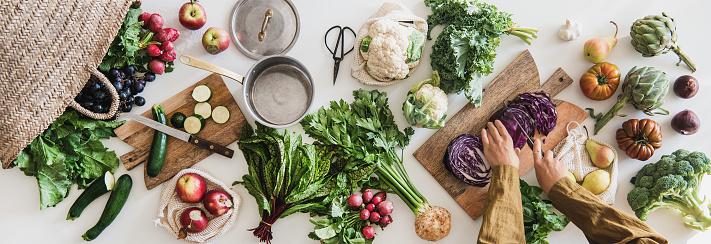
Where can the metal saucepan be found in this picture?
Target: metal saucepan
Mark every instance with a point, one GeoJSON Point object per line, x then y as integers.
{"type": "Point", "coordinates": [278, 90]}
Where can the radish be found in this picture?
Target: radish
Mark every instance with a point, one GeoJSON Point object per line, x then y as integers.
{"type": "Point", "coordinates": [167, 46]}
{"type": "Point", "coordinates": [153, 50]}
{"type": "Point", "coordinates": [167, 56]}
{"type": "Point", "coordinates": [385, 208]}
{"type": "Point", "coordinates": [166, 35]}
{"type": "Point", "coordinates": [374, 217]}
{"type": "Point", "coordinates": [364, 214]}
{"type": "Point", "coordinates": [367, 196]}
{"type": "Point", "coordinates": [385, 221]}
{"type": "Point", "coordinates": [368, 232]}
{"type": "Point", "coordinates": [381, 195]}
{"type": "Point", "coordinates": [370, 207]}
{"type": "Point", "coordinates": [144, 18]}
{"type": "Point", "coordinates": [157, 66]}
{"type": "Point", "coordinates": [355, 201]}
{"type": "Point", "coordinates": [155, 23]}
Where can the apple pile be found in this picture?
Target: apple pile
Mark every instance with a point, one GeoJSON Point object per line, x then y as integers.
{"type": "Point", "coordinates": [192, 188]}
{"type": "Point", "coordinates": [373, 208]}
{"type": "Point", "coordinates": [161, 48]}
{"type": "Point", "coordinates": [192, 16]}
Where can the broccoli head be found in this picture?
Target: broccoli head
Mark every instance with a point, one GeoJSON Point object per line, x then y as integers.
{"type": "Point", "coordinates": [673, 182]}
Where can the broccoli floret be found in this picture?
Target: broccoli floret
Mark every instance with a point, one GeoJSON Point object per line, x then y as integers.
{"type": "Point", "coordinates": [673, 182]}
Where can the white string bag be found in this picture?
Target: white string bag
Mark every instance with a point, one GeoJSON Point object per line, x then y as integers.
{"type": "Point", "coordinates": [393, 11]}
{"type": "Point", "coordinates": [572, 152]}
{"type": "Point", "coordinates": [171, 207]}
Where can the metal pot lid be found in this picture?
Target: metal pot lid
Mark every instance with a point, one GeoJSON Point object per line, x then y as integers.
{"type": "Point", "coordinates": [275, 22]}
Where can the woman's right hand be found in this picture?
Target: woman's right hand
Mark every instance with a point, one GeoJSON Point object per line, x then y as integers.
{"type": "Point", "coordinates": [548, 169]}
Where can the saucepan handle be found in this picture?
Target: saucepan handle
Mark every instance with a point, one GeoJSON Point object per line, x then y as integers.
{"type": "Point", "coordinates": [197, 63]}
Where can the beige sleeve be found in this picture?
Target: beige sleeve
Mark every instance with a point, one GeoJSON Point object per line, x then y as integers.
{"type": "Point", "coordinates": [503, 213]}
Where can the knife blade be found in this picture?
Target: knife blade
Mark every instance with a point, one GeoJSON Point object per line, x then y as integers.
{"type": "Point", "coordinates": [529, 141]}
{"type": "Point", "coordinates": [192, 139]}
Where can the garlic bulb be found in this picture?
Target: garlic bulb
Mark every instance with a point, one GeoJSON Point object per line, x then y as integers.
{"type": "Point", "coordinates": [571, 30]}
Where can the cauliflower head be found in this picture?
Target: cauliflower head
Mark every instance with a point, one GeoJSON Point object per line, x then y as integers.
{"type": "Point", "coordinates": [391, 49]}
{"type": "Point", "coordinates": [426, 104]}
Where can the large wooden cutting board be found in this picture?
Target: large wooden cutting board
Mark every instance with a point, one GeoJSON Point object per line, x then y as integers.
{"type": "Point", "coordinates": [180, 154]}
{"type": "Point", "coordinates": [520, 76]}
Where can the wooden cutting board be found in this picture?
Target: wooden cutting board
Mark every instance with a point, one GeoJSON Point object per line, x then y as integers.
{"type": "Point", "coordinates": [181, 154]}
{"type": "Point", "coordinates": [520, 76]}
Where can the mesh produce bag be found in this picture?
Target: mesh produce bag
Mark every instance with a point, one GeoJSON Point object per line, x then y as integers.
{"type": "Point", "coordinates": [171, 207]}
{"type": "Point", "coordinates": [572, 152]}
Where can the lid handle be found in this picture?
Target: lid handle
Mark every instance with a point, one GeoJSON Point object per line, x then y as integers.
{"type": "Point", "coordinates": [263, 33]}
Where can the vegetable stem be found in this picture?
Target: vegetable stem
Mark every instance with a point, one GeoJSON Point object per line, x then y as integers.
{"type": "Point", "coordinates": [684, 58]}
{"type": "Point", "coordinates": [621, 103]}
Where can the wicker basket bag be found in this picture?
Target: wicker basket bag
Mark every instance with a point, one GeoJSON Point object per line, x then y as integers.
{"type": "Point", "coordinates": [50, 49]}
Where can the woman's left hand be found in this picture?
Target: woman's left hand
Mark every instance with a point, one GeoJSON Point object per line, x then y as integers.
{"type": "Point", "coordinates": [498, 145]}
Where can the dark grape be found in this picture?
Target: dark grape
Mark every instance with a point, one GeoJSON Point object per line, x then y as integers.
{"type": "Point", "coordinates": [106, 109]}
{"type": "Point", "coordinates": [117, 85]}
{"type": "Point", "coordinates": [122, 75]}
{"type": "Point", "coordinates": [123, 96]}
{"type": "Point", "coordinates": [99, 96]}
{"type": "Point", "coordinates": [127, 90]}
{"type": "Point", "coordinates": [129, 99]}
{"type": "Point", "coordinates": [129, 70]}
{"type": "Point", "coordinates": [139, 100]}
{"type": "Point", "coordinates": [128, 82]}
{"type": "Point", "coordinates": [95, 87]}
{"type": "Point", "coordinates": [87, 105]}
{"type": "Point", "coordinates": [98, 108]}
{"type": "Point", "coordinates": [113, 74]}
{"type": "Point", "coordinates": [138, 87]}
{"type": "Point", "coordinates": [127, 108]}
{"type": "Point", "coordinates": [149, 76]}
{"type": "Point", "coordinates": [121, 107]}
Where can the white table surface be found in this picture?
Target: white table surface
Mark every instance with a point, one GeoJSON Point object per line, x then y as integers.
{"type": "Point", "coordinates": [22, 222]}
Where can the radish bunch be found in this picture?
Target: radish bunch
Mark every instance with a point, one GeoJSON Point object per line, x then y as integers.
{"type": "Point", "coordinates": [159, 43]}
{"type": "Point", "coordinates": [373, 208]}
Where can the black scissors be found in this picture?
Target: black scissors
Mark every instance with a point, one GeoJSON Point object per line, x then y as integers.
{"type": "Point", "coordinates": [339, 43]}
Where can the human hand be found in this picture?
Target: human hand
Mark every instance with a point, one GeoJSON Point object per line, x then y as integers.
{"type": "Point", "coordinates": [498, 145]}
{"type": "Point", "coordinates": [548, 169]}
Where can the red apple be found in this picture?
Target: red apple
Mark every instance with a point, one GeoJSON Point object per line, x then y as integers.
{"type": "Point", "coordinates": [193, 220]}
{"type": "Point", "coordinates": [192, 15]}
{"type": "Point", "coordinates": [217, 202]}
{"type": "Point", "coordinates": [190, 188]}
{"type": "Point", "coordinates": [155, 23]}
{"type": "Point", "coordinates": [215, 40]}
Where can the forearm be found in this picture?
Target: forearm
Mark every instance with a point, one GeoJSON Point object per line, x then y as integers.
{"type": "Point", "coordinates": [599, 222]}
{"type": "Point", "coordinates": [503, 214]}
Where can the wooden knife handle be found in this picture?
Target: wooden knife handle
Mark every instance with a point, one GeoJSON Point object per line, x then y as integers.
{"type": "Point", "coordinates": [211, 146]}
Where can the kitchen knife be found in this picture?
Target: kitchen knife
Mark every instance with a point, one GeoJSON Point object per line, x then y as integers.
{"type": "Point", "coordinates": [529, 141]}
{"type": "Point", "coordinates": [192, 139]}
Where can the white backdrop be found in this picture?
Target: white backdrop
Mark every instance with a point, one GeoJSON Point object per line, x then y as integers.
{"type": "Point", "coordinates": [22, 222]}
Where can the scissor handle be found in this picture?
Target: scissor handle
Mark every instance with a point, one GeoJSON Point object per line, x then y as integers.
{"type": "Point", "coordinates": [340, 41]}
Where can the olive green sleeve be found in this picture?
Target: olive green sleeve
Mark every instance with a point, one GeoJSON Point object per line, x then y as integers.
{"type": "Point", "coordinates": [599, 222]}
{"type": "Point", "coordinates": [503, 213]}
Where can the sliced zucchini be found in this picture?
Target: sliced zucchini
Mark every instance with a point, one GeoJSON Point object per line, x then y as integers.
{"type": "Point", "coordinates": [203, 109]}
{"type": "Point", "coordinates": [194, 124]}
{"type": "Point", "coordinates": [220, 114]}
{"type": "Point", "coordinates": [202, 93]}
{"type": "Point", "coordinates": [177, 120]}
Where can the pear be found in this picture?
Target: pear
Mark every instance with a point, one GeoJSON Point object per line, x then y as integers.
{"type": "Point", "coordinates": [571, 175]}
{"type": "Point", "coordinates": [597, 181]}
{"type": "Point", "coordinates": [597, 49]}
{"type": "Point", "coordinates": [600, 155]}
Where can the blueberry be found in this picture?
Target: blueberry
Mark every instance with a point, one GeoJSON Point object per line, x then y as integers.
{"type": "Point", "coordinates": [127, 108]}
{"type": "Point", "coordinates": [149, 76]}
{"type": "Point", "coordinates": [117, 85]}
{"type": "Point", "coordinates": [139, 100]}
{"type": "Point", "coordinates": [129, 70]}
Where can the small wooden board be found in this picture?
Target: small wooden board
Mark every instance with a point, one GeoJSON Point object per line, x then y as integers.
{"type": "Point", "coordinates": [181, 154]}
{"type": "Point", "coordinates": [520, 76]}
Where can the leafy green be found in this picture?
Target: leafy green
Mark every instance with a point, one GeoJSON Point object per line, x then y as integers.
{"type": "Point", "coordinates": [124, 49]}
{"type": "Point", "coordinates": [68, 152]}
{"type": "Point", "coordinates": [365, 44]}
{"type": "Point", "coordinates": [342, 225]}
{"type": "Point", "coordinates": [414, 49]}
{"type": "Point", "coordinates": [426, 104]}
{"type": "Point", "coordinates": [466, 48]}
{"type": "Point", "coordinates": [538, 220]}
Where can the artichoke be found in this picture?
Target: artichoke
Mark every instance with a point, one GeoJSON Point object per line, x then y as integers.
{"type": "Point", "coordinates": [656, 34]}
{"type": "Point", "coordinates": [645, 88]}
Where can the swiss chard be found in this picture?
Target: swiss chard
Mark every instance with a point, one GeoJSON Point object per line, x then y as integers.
{"type": "Point", "coordinates": [68, 152]}
{"type": "Point", "coordinates": [538, 220]}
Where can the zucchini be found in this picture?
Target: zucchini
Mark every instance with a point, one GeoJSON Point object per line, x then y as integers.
{"type": "Point", "coordinates": [202, 93]}
{"type": "Point", "coordinates": [97, 188]}
{"type": "Point", "coordinates": [220, 114]}
{"type": "Point", "coordinates": [177, 120]}
{"type": "Point", "coordinates": [203, 109]}
{"type": "Point", "coordinates": [116, 201]}
{"type": "Point", "coordinates": [194, 124]}
{"type": "Point", "coordinates": [159, 147]}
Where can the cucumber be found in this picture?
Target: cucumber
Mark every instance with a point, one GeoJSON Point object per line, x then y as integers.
{"type": "Point", "coordinates": [116, 201]}
{"type": "Point", "coordinates": [97, 188]}
{"type": "Point", "coordinates": [203, 109]}
{"type": "Point", "coordinates": [202, 93]}
{"type": "Point", "coordinates": [177, 120]}
{"type": "Point", "coordinates": [220, 114]}
{"type": "Point", "coordinates": [194, 124]}
{"type": "Point", "coordinates": [156, 156]}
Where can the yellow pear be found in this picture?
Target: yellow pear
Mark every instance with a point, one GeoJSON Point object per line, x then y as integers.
{"type": "Point", "coordinates": [600, 155]}
{"type": "Point", "coordinates": [571, 176]}
{"type": "Point", "coordinates": [597, 181]}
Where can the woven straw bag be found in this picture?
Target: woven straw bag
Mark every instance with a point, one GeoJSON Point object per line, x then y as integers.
{"type": "Point", "coordinates": [393, 11]}
{"type": "Point", "coordinates": [572, 152]}
{"type": "Point", "coordinates": [50, 50]}
{"type": "Point", "coordinates": [171, 207]}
